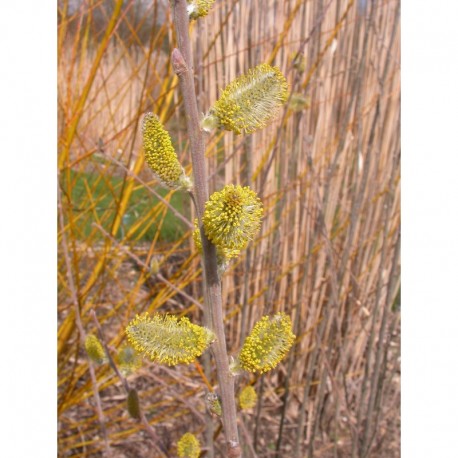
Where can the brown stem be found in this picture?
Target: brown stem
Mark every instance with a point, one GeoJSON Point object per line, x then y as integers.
{"type": "Point", "coordinates": [248, 438]}
{"type": "Point", "coordinates": [113, 365]}
{"type": "Point", "coordinates": [213, 311]}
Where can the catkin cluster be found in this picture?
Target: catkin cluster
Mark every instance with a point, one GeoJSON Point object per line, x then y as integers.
{"type": "Point", "coordinates": [232, 218]}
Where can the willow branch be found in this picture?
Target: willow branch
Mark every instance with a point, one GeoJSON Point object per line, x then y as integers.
{"type": "Point", "coordinates": [213, 311]}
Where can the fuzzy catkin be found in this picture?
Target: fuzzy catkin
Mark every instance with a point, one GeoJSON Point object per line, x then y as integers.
{"type": "Point", "coordinates": [199, 8]}
{"type": "Point", "coordinates": [232, 218]}
{"type": "Point", "coordinates": [267, 344]}
{"type": "Point", "coordinates": [168, 340]}
{"type": "Point", "coordinates": [94, 349]}
{"type": "Point", "coordinates": [247, 398]}
{"type": "Point", "coordinates": [188, 446]}
{"type": "Point", "coordinates": [249, 102]}
{"type": "Point", "coordinates": [160, 154]}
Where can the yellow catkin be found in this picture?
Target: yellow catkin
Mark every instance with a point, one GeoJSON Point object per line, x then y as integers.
{"type": "Point", "coordinates": [167, 339]}
{"type": "Point", "coordinates": [160, 154]}
{"type": "Point", "coordinates": [267, 344]}
{"type": "Point", "coordinates": [232, 217]}
{"type": "Point", "coordinates": [95, 349]}
{"type": "Point", "coordinates": [249, 102]}
{"type": "Point", "coordinates": [188, 446]}
{"type": "Point", "coordinates": [199, 8]}
{"type": "Point", "coordinates": [128, 359]}
{"type": "Point", "coordinates": [248, 398]}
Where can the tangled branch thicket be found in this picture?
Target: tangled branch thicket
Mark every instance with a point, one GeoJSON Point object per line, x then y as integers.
{"type": "Point", "coordinates": [327, 172]}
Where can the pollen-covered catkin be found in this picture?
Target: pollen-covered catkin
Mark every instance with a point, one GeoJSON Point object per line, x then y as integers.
{"type": "Point", "coordinates": [188, 446]}
{"type": "Point", "coordinates": [168, 340]}
{"type": "Point", "coordinates": [160, 154]}
{"type": "Point", "coordinates": [249, 102]}
{"type": "Point", "coordinates": [232, 217]}
{"type": "Point", "coordinates": [267, 344]}
{"type": "Point", "coordinates": [247, 398]}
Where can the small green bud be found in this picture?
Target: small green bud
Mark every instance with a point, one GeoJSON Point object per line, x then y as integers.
{"type": "Point", "coordinates": [129, 360]}
{"type": "Point", "coordinates": [213, 403]}
{"type": "Point", "coordinates": [299, 102]}
{"type": "Point", "coordinates": [133, 404]}
{"type": "Point", "coordinates": [155, 264]}
{"type": "Point", "coordinates": [299, 62]}
{"type": "Point", "coordinates": [94, 349]}
{"type": "Point", "coordinates": [234, 366]}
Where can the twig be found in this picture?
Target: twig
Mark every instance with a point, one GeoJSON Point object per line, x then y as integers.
{"type": "Point", "coordinates": [152, 191]}
{"type": "Point", "coordinates": [178, 377]}
{"type": "Point", "coordinates": [146, 267]}
{"type": "Point", "coordinates": [248, 438]}
{"type": "Point", "coordinates": [365, 447]}
{"type": "Point", "coordinates": [113, 365]}
{"type": "Point", "coordinates": [95, 386]}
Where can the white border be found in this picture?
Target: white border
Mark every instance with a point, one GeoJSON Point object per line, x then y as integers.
{"type": "Point", "coordinates": [429, 229]}
{"type": "Point", "coordinates": [28, 107]}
